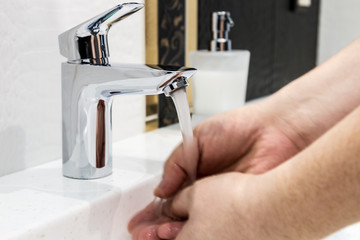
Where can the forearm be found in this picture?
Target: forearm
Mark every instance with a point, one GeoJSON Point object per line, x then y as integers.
{"type": "Point", "coordinates": [317, 191]}
{"type": "Point", "coordinates": [313, 103]}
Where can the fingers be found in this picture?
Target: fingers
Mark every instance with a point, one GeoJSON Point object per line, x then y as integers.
{"type": "Point", "coordinates": [157, 222]}
{"type": "Point", "coordinates": [174, 175]}
{"type": "Point", "coordinates": [180, 205]}
{"type": "Point", "coordinates": [152, 224]}
{"type": "Point", "coordinates": [169, 230]}
{"type": "Point", "coordinates": [177, 208]}
{"type": "Point", "coordinates": [165, 231]}
{"type": "Point", "coordinates": [148, 233]}
{"type": "Point", "coordinates": [149, 213]}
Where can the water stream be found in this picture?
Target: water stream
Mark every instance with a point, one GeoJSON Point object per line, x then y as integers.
{"type": "Point", "coordinates": [180, 100]}
{"type": "Point", "coordinates": [182, 108]}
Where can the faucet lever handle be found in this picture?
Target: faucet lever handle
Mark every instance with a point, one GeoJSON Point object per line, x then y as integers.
{"type": "Point", "coordinates": [88, 41]}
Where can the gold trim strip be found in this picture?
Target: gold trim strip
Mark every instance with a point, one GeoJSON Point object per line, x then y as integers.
{"type": "Point", "coordinates": [152, 43]}
{"type": "Point", "coordinates": [191, 36]}
{"type": "Point", "coordinates": [151, 56]}
{"type": "Point", "coordinates": [191, 28]}
{"type": "Point", "coordinates": [151, 32]}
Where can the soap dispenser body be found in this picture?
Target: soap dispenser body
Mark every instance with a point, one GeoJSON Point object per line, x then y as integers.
{"type": "Point", "coordinates": [221, 81]}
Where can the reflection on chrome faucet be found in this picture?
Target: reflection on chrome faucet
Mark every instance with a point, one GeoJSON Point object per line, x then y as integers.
{"type": "Point", "coordinates": [88, 83]}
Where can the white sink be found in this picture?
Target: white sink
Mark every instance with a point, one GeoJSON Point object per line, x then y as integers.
{"type": "Point", "coordinates": [39, 203]}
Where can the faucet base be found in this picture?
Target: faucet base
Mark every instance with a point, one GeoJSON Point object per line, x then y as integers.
{"type": "Point", "coordinates": [87, 178]}
{"type": "Point", "coordinates": [86, 172]}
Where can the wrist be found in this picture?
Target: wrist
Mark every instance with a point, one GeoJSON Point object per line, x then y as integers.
{"type": "Point", "coordinates": [277, 209]}
{"type": "Point", "coordinates": [262, 207]}
{"type": "Point", "coordinates": [302, 118]}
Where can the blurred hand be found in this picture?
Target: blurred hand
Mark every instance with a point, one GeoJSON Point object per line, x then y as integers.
{"type": "Point", "coordinates": [152, 224]}
{"type": "Point", "coordinates": [259, 137]}
{"type": "Point", "coordinates": [247, 140]}
{"type": "Point", "coordinates": [227, 206]}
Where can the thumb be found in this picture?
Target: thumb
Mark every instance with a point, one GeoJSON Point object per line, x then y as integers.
{"type": "Point", "coordinates": [180, 204]}
{"type": "Point", "coordinates": [174, 174]}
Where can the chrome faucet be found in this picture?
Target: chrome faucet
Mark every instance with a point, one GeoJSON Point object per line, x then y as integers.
{"type": "Point", "coordinates": [88, 83]}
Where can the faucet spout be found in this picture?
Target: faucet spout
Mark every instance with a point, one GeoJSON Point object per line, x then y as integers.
{"type": "Point", "coordinates": [88, 84]}
{"type": "Point", "coordinates": [87, 92]}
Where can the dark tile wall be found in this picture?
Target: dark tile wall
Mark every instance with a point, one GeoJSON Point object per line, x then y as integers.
{"type": "Point", "coordinates": [282, 40]}
{"type": "Point", "coordinates": [171, 37]}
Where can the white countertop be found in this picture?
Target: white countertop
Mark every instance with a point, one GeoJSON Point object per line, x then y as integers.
{"type": "Point", "coordinates": [39, 203]}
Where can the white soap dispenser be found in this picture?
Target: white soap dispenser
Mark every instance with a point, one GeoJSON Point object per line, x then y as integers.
{"type": "Point", "coordinates": [221, 80]}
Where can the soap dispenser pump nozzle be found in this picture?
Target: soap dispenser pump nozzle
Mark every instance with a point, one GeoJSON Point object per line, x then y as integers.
{"type": "Point", "coordinates": [221, 24]}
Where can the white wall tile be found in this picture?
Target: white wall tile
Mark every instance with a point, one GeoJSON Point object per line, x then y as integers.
{"type": "Point", "coordinates": [30, 81]}
{"type": "Point", "coordinates": [339, 26]}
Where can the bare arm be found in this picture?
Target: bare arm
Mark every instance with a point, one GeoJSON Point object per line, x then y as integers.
{"type": "Point", "coordinates": [317, 192]}
{"type": "Point", "coordinates": [247, 139]}
{"type": "Point", "coordinates": [316, 101]}
{"type": "Point", "coordinates": [308, 197]}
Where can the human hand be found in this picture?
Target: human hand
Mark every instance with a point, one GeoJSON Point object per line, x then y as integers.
{"type": "Point", "coordinates": [226, 206]}
{"type": "Point", "coordinates": [196, 205]}
{"type": "Point", "coordinates": [152, 224]}
{"type": "Point", "coordinates": [309, 197]}
{"type": "Point", "coordinates": [252, 139]}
